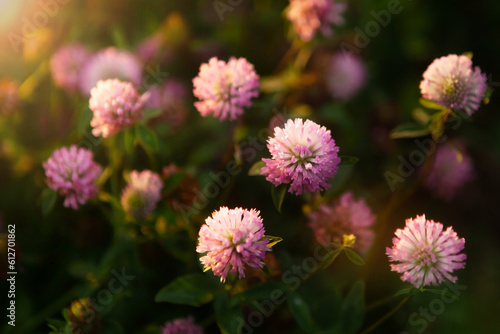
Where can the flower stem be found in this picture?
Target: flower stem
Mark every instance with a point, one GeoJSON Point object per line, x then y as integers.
{"type": "Point", "coordinates": [115, 159]}
{"type": "Point", "coordinates": [292, 51]}
{"type": "Point", "coordinates": [380, 302]}
{"type": "Point", "coordinates": [386, 316]}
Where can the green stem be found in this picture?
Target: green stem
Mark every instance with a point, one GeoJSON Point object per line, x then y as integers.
{"type": "Point", "coordinates": [152, 159]}
{"type": "Point", "coordinates": [380, 302]}
{"type": "Point", "coordinates": [115, 165]}
{"type": "Point", "coordinates": [302, 58]}
{"type": "Point", "coordinates": [386, 316]}
{"type": "Point", "coordinates": [230, 157]}
{"type": "Point", "coordinates": [440, 124]}
{"type": "Point", "coordinates": [294, 48]}
{"type": "Point", "coordinates": [32, 82]}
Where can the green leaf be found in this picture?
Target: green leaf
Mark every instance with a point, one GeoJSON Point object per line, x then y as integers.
{"type": "Point", "coordinates": [256, 167]}
{"type": "Point", "coordinates": [300, 311]}
{"type": "Point", "coordinates": [437, 117]}
{"type": "Point", "coordinates": [331, 257]}
{"type": "Point", "coordinates": [150, 113]}
{"type": "Point", "coordinates": [266, 291]}
{"type": "Point", "coordinates": [346, 160]}
{"type": "Point", "coordinates": [65, 314]}
{"type": "Point", "coordinates": [353, 310]}
{"type": "Point", "coordinates": [430, 104]}
{"type": "Point", "coordinates": [354, 257]}
{"type": "Point", "coordinates": [272, 240]}
{"type": "Point", "coordinates": [48, 200]}
{"type": "Point", "coordinates": [147, 137]}
{"type": "Point", "coordinates": [409, 130]}
{"type": "Point", "coordinates": [421, 116]}
{"type": "Point", "coordinates": [194, 289]}
{"type": "Point", "coordinates": [129, 140]}
{"type": "Point", "coordinates": [56, 325]}
{"type": "Point", "coordinates": [278, 194]}
{"type": "Point", "coordinates": [69, 328]}
{"type": "Point", "coordinates": [84, 118]}
{"type": "Point", "coordinates": [468, 54]}
{"type": "Point", "coordinates": [228, 314]}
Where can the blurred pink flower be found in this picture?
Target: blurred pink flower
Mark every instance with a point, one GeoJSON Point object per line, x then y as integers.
{"type": "Point", "coordinates": [231, 239]}
{"type": "Point", "coordinates": [453, 83]}
{"type": "Point", "coordinates": [170, 99]}
{"type": "Point", "coordinates": [66, 66]}
{"type": "Point", "coordinates": [278, 120]}
{"type": "Point", "coordinates": [116, 105]}
{"type": "Point", "coordinates": [140, 196]}
{"type": "Point", "coordinates": [309, 16]}
{"type": "Point", "coordinates": [346, 75]}
{"type": "Point", "coordinates": [345, 216]}
{"type": "Point", "coordinates": [181, 326]}
{"type": "Point", "coordinates": [451, 169]}
{"type": "Point", "coordinates": [224, 89]}
{"type": "Point", "coordinates": [426, 254]}
{"type": "Point", "coordinates": [72, 172]}
{"type": "Point", "coordinates": [110, 63]}
{"type": "Point", "coordinates": [303, 154]}
{"type": "Point", "coordinates": [147, 49]}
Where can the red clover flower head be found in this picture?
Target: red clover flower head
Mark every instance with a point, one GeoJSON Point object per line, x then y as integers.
{"type": "Point", "coordinates": [452, 82]}
{"type": "Point", "coordinates": [66, 66]}
{"type": "Point", "coordinates": [72, 172]}
{"type": "Point", "coordinates": [345, 216]}
{"type": "Point", "coordinates": [451, 169]}
{"type": "Point", "coordinates": [346, 75]}
{"type": "Point", "coordinates": [304, 155]}
{"type": "Point", "coordinates": [309, 16]}
{"type": "Point", "coordinates": [224, 89]}
{"type": "Point", "coordinates": [231, 239]}
{"type": "Point", "coordinates": [142, 193]}
{"type": "Point", "coordinates": [110, 63]}
{"type": "Point", "coordinates": [181, 326]}
{"type": "Point", "coordinates": [116, 105]}
{"type": "Point", "coordinates": [425, 254]}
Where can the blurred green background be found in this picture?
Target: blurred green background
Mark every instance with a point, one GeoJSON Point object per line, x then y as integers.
{"type": "Point", "coordinates": [55, 252]}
